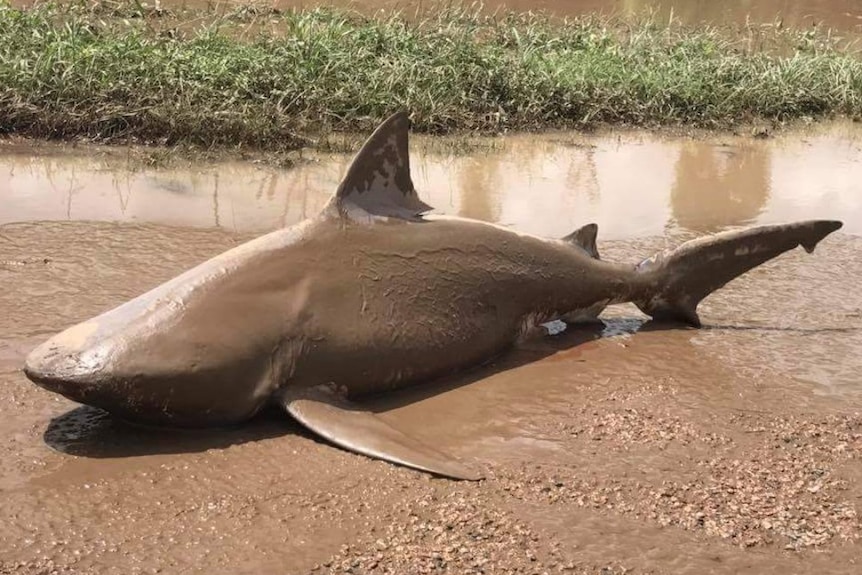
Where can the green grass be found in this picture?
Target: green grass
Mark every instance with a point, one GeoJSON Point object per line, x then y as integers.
{"type": "Point", "coordinates": [126, 74]}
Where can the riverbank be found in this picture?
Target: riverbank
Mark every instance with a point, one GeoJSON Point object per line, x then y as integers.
{"type": "Point", "coordinates": [271, 79]}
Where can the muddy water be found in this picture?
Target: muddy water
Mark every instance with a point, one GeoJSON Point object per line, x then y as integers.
{"type": "Point", "coordinates": [842, 15]}
{"type": "Point", "coordinates": [735, 448]}
{"type": "Point", "coordinates": [632, 184]}
{"type": "Point", "coordinates": [845, 15]}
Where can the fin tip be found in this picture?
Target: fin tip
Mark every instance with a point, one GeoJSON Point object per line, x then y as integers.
{"type": "Point", "coordinates": [823, 228]}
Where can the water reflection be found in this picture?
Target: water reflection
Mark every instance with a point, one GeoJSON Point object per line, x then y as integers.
{"type": "Point", "coordinates": [719, 186]}
{"type": "Point", "coordinates": [632, 184]}
{"type": "Point", "coordinates": [478, 179]}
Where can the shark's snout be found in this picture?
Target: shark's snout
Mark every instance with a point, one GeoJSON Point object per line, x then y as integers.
{"type": "Point", "coordinates": [65, 367]}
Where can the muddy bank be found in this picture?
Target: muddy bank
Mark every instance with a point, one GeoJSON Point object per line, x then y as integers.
{"type": "Point", "coordinates": [626, 448]}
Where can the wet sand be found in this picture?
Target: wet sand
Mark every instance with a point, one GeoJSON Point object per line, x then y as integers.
{"type": "Point", "coordinates": [628, 448]}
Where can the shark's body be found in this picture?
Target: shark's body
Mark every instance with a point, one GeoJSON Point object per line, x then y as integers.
{"type": "Point", "coordinates": [365, 297]}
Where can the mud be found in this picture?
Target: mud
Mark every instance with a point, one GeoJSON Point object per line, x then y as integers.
{"type": "Point", "coordinates": [619, 449]}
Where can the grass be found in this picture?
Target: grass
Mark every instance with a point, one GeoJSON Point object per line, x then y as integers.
{"type": "Point", "coordinates": [119, 72]}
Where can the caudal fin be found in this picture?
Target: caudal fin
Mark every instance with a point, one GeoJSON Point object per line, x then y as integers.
{"type": "Point", "coordinates": [677, 280]}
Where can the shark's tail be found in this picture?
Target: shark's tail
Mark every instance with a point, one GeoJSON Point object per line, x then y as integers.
{"type": "Point", "coordinates": [675, 281]}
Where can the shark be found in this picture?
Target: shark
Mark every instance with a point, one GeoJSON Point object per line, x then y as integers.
{"type": "Point", "coordinates": [372, 294]}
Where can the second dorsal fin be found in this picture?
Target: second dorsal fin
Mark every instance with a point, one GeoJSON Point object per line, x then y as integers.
{"type": "Point", "coordinates": [585, 238]}
{"type": "Point", "coordinates": [378, 181]}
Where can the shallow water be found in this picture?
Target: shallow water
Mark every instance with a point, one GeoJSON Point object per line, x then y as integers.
{"type": "Point", "coordinates": [844, 16]}
{"type": "Point", "coordinates": [632, 184]}
{"type": "Point", "coordinates": [646, 192]}
{"type": "Point", "coordinates": [82, 231]}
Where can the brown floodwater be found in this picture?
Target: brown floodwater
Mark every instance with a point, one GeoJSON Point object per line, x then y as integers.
{"type": "Point", "coordinates": [633, 184]}
{"type": "Point", "coordinates": [734, 448]}
{"type": "Point", "coordinates": [844, 16]}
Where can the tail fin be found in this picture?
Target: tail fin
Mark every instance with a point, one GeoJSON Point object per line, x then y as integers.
{"type": "Point", "coordinates": [677, 280]}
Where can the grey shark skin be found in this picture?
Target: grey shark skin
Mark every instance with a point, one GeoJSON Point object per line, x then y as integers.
{"type": "Point", "coordinates": [368, 296]}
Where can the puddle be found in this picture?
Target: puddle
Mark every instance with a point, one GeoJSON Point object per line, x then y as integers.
{"type": "Point", "coordinates": [645, 191]}
{"type": "Point", "coordinates": [632, 184]}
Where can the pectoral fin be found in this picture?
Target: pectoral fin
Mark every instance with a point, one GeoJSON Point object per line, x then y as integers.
{"type": "Point", "coordinates": [347, 425]}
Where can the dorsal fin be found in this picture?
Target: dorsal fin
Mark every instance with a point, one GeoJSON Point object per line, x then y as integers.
{"type": "Point", "coordinates": [585, 238]}
{"type": "Point", "coordinates": [378, 180]}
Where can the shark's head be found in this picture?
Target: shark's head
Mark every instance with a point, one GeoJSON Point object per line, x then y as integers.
{"type": "Point", "coordinates": [180, 355]}
{"type": "Point", "coordinates": [151, 378]}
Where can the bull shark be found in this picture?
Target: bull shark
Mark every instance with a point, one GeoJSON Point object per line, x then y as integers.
{"type": "Point", "coordinates": [371, 294]}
